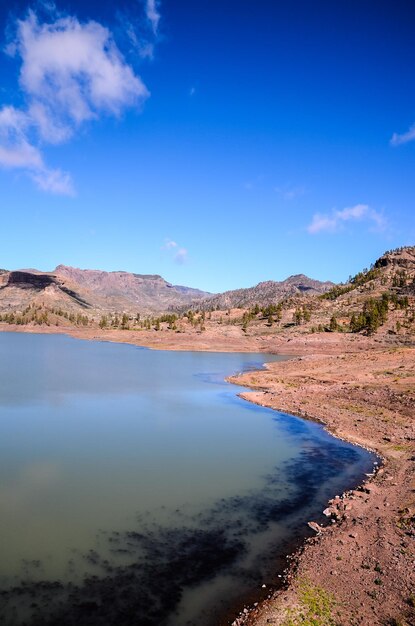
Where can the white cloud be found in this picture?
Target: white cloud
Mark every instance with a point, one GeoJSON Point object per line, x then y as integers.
{"type": "Point", "coordinates": [21, 155]}
{"type": "Point", "coordinates": [16, 152]}
{"type": "Point", "coordinates": [169, 244]}
{"type": "Point", "coordinates": [153, 14]}
{"type": "Point", "coordinates": [15, 148]}
{"type": "Point", "coordinates": [54, 181]}
{"type": "Point", "coordinates": [356, 212]}
{"type": "Point", "coordinates": [321, 223]}
{"type": "Point", "coordinates": [333, 222]}
{"type": "Point", "coordinates": [181, 256]}
{"type": "Point", "coordinates": [398, 140]}
{"type": "Point", "coordinates": [70, 73]}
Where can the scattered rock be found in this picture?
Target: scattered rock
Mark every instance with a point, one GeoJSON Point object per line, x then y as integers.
{"type": "Point", "coordinates": [316, 527]}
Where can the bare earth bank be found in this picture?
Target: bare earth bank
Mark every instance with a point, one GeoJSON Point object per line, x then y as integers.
{"type": "Point", "coordinates": [359, 568]}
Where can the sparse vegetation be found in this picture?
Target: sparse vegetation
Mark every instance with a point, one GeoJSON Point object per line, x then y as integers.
{"type": "Point", "coordinates": [40, 315]}
{"type": "Point", "coordinates": [316, 607]}
{"type": "Point", "coordinates": [362, 278]}
{"type": "Point", "coordinates": [375, 313]}
{"type": "Point", "coordinates": [301, 315]}
{"type": "Point", "coordinates": [381, 295]}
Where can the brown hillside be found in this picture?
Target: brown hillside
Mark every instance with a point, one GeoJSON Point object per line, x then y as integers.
{"type": "Point", "coordinates": [76, 291]}
{"type": "Point", "coordinates": [267, 292]}
{"type": "Point", "coordinates": [377, 300]}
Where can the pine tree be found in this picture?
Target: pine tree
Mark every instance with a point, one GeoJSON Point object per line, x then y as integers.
{"type": "Point", "coordinates": [103, 322]}
{"type": "Point", "coordinates": [333, 324]}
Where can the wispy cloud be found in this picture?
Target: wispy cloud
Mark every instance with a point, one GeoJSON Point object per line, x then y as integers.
{"type": "Point", "coordinates": [398, 140]}
{"type": "Point", "coordinates": [179, 254]}
{"type": "Point", "coordinates": [334, 221]}
{"type": "Point", "coordinates": [153, 14]}
{"type": "Point", "coordinates": [289, 192]}
{"type": "Point", "coordinates": [138, 22]}
{"type": "Point", "coordinates": [15, 149]}
{"type": "Point", "coordinates": [71, 73]}
{"type": "Point", "coordinates": [54, 181]}
{"type": "Point", "coordinates": [139, 41]}
{"type": "Point", "coordinates": [169, 244]}
{"type": "Point", "coordinates": [16, 152]}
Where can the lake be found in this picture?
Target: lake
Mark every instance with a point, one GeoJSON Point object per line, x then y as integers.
{"type": "Point", "coordinates": [137, 488]}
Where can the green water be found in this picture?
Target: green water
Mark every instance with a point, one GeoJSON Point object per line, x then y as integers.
{"type": "Point", "coordinates": [142, 487]}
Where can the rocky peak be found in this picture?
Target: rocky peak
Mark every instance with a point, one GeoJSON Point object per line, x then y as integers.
{"type": "Point", "coordinates": [401, 257]}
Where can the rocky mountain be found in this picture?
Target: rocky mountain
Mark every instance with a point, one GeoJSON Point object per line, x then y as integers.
{"type": "Point", "coordinates": [399, 258]}
{"type": "Point", "coordinates": [21, 289]}
{"type": "Point", "coordinates": [399, 268]}
{"type": "Point", "coordinates": [127, 291]}
{"type": "Point", "coordinates": [73, 289]}
{"type": "Point", "coordinates": [94, 293]}
{"type": "Point", "coordinates": [268, 292]}
{"type": "Point", "coordinates": [77, 290]}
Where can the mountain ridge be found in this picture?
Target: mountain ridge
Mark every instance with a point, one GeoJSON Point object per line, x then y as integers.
{"type": "Point", "coordinates": [70, 287]}
{"type": "Point", "coordinates": [267, 292]}
{"type": "Point", "coordinates": [97, 292]}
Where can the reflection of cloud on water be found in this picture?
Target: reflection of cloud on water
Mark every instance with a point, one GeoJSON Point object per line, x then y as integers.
{"type": "Point", "coordinates": [34, 482]}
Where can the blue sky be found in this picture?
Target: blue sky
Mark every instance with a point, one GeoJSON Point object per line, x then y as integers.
{"type": "Point", "coordinates": [215, 143]}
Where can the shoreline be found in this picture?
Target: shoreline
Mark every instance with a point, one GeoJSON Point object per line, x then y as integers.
{"type": "Point", "coordinates": [364, 561]}
{"type": "Point", "coordinates": [292, 557]}
{"type": "Point", "coordinates": [362, 392]}
{"type": "Point", "coordinates": [144, 339]}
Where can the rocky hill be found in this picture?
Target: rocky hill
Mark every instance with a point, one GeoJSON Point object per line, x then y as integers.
{"type": "Point", "coordinates": [120, 290]}
{"type": "Point", "coordinates": [75, 290]}
{"type": "Point", "coordinates": [268, 292]}
{"type": "Point", "coordinates": [72, 289]}
{"type": "Point", "coordinates": [21, 289]}
{"type": "Point", "coordinates": [379, 299]}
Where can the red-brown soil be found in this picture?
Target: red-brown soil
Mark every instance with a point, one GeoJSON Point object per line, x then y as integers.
{"type": "Point", "coordinates": [365, 559]}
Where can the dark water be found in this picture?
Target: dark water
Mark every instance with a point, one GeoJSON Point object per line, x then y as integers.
{"type": "Point", "coordinates": [137, 488]}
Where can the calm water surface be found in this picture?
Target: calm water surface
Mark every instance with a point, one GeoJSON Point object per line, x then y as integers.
{"type": "Point", "coordinates": [137, 488]}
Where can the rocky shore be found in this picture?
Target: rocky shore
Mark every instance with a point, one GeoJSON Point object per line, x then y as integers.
{"type": "Point", "coordinates": [359, 568]}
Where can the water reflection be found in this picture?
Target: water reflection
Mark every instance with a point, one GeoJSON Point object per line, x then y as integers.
{"type": "Point", "coordinates": [137, 488]}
